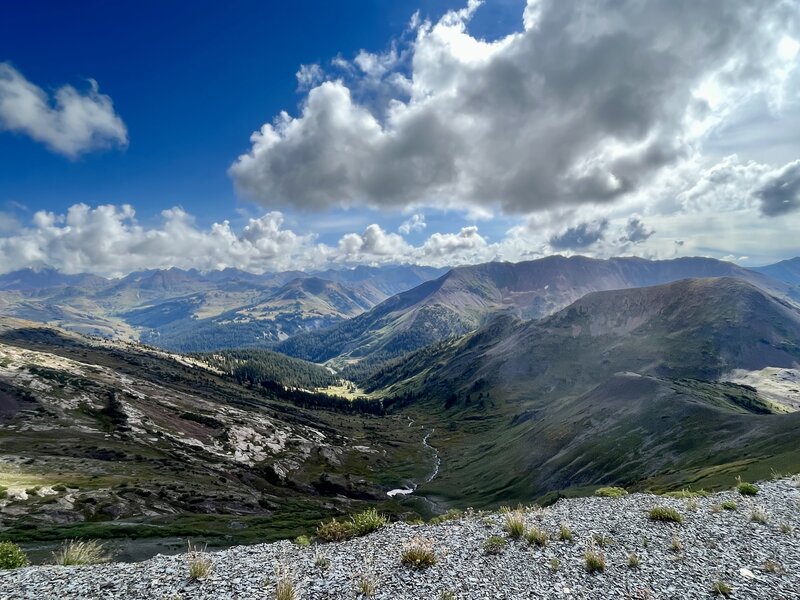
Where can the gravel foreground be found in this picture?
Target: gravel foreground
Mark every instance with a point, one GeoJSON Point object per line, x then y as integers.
{"type": "Point", "coordinates": [757, 560]}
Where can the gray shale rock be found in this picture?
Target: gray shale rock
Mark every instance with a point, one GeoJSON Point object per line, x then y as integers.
{"type": "Point", "coordinates": [717, 545]}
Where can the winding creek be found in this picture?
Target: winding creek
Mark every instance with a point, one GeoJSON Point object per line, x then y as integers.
{"type": "Point", "coordinates": [437, 463]}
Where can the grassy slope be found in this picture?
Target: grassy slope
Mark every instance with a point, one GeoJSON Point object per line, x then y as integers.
{"type": "Point", "coordinates": [169, 473]}
{"type": "Point", "coordinates": [525, 410]}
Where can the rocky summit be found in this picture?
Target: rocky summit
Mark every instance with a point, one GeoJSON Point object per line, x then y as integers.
{"type": "Point", "coordinates": [691, 546]}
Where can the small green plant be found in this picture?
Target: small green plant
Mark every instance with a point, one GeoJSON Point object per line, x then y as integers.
{"type": "Point", "coordinates": [720, 588]}
{"type": "Point", "coordinates": [3, 492]}
{"type": "Point", "coordinates": [602, 540]}
{"type": "Point", "coordinates": [78, 552]}
{"type": "Point", "coordinates": [419, 554]}
{"type": "Point", "coordinates": [447, 595]}
{"type": "Point", "coordinates": [366, 522]}
{"type": "Point", "coordinates": [759, 516]}
{"type": "Point", "coordinates": [554, 564]}
{"type": "Point", "coordinates": [770, 566]}
{"type": "Point", "coordinates": [303, 540]}
{"type": "Point", "coordinates": [321, 561]}
{"type": "Point", "coordinates": [665, 513]}
{"type": "Point", "coordinates": [537, 537]}
{"type": "Point", "coordinates": [611, 492]}
{"type": "Point", "coordinates": [450, 515]}
{"type": "Point", "coordinates": [729, 505]}
{"type": "Point", "coordinates": [686, 494]}
{"type": "Point", "coordinates": [634, 561]}
{"type": "Point", "coordinates": [334, 531]}
{"type": "Point", "coordinates": [367, 585]}
{"type": "Point", "coordinates": [59, 487]}
{"type": "Point", "coordinates": [786, 528]}
{"type": "Point", "coordinates": [747, 489]}
{"type": "Point", "coordinates": [514, 525]}
{"type": "Point", "coordinates": [284, 587]}
{"type": "Point", "coordinates": [594, 560]}
{"type": "Point", "coordinates": [494, 545]}
{"type": "Point", "coordinates": [12, 556]}
{"type": "Point", "coordinates": [199, 562]}
{"type": "Point", "coordinates": [564, 533]}
{"type": "Point", "coordinates": [676, 545]}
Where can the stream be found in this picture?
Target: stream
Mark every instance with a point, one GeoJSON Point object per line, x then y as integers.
{"type": "Point", "coordinates": [437, 463]}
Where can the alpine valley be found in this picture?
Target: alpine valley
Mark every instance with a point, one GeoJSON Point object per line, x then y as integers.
{"type": "Point", "coordinates": [237, 407]}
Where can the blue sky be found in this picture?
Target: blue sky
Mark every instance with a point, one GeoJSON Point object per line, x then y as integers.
{"type": "Point", "coordinates": [433, 131]}
{"type": "Point", "coordinates": [191, 81]}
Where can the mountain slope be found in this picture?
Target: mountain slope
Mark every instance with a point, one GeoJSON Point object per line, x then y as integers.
{"type": "Point", "coordinates": [299, 305]}
{"type": "Point", "coordinates": [619, 387]}
{"type": "Point", "coordinates": [107, 439]}
{"type": "Point", "coordinates": [787, 271]}
{"type": "Point", "coordinates": [460, 300]}
{"type": "Point", "coordinates": [163, 304]}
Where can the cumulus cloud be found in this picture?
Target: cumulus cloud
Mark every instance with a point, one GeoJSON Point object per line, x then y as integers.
{"type": "Point", "coordinates": [589, 102]}
{"type": "Point", "coordinates": [108, 240]}
{"type": "Point", "coordinates": [308, 76]}
{"type": "Point", "coordinates": [780, 193]}
{"type": "Point", "coordinates": [70, 123]}
{"type": "Point", "coordinates": [580, 236]}
{"type": "Point", "coordinates": [415, 222]}
{"type": "Point", "coordinates": [636, 231]}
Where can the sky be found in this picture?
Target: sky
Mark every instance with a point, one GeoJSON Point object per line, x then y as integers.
{"type": "Point", "coordinates": [271, 136]}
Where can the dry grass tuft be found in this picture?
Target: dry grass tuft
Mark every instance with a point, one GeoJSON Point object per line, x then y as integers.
{"type": "Point", "coordinates": [80, 552]}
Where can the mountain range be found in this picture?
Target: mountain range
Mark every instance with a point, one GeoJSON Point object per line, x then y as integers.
{"type": "Point", "coordinates": [459, 300]}
{"type": "Point", "coordinates": [483, 385]}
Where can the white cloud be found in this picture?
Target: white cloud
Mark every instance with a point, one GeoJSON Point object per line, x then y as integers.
{"type": "Point", "coordinates": [70, 124]}
{"type": "Point", "coordinates": [590, 102]}
{"type": "Point", "coordinates": [308, 76]}
{"type": "Point", "coordinates": [415, 222]}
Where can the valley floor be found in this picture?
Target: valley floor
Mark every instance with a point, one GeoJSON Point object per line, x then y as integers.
{"type": "Point", "coordinates": [677, 560]}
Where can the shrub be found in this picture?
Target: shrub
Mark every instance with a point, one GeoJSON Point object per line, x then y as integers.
{"type": "Point", "coordinates": [366, 522]}
{"type": "Point", "coordinates": [494, 545]}
{"type": "Point", "coordinates": [284, 589]}
{"type": "Point", "coordinates": [634, 561]}
{"type": "Point", "coordinates": [759, 516]}
{"type": "Point", "coordinates": [77, 552]}
{"type": "Point", "coordinates": [12, 556]}
{"type": "Point", "coordinates": [334, 531]}
{"type": "Point", "coordinates": [729, 505]}
{"type": "Point", "coordinates": [602, 540]}
{"type": "Point", "coordinates": [770, 566]}
{"type": "Point", "coordinates": [665, 513]}
{"type": "Point", "coordinates": [303, 540]}
{"type": "Point", "coordinates": [594, 560]}
{"type": "Point", "coordinates": [418, 554]}
{"type": "Point", "coordinates": [515, 525]}
{"type": "Point", "coordinates": [367, 585]}
{"type": "Point", "coordinates": [747, 489]}
{"type": "Point", "coordinates": [611, 492]}
{"type": "Point", "coordinates": [199, 563]}
{"type": "Point", "coordinates": [450, 515]}
{"type": "Point", "coordinates": [564, 533]}
{"type": "Point", "coordinates": [321, 561]}
{"type": "Point", "coordinates": [686, 494]}
{"type": "Point", "coordinates": [720, 588]}
{"type": "Point", "coordinates": [537, 537]}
